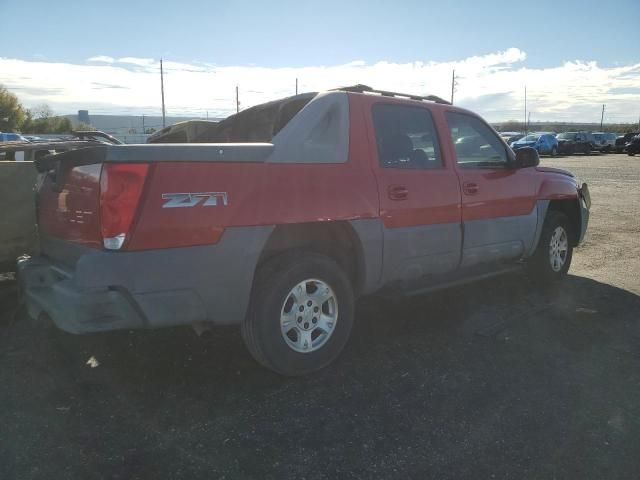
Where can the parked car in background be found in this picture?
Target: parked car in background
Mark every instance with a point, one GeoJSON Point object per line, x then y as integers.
{"type": "Point", "coordinates": [574, 142]}
{"type": "Point", "coordinates": [12, 137]}
{"type": "Point", "coordinates": [509, 134]}
{"type": "Point", "coordinates": [604, 142]}
{"type": "Point", "coordinates": [622, 141]}
{"type": "Point", "coordinates": [633, 146]}
{"type": "Point", "coordinates": [513, 138]}
{"type": "Point", "coordinates": [544, 143]}
{"type": "Point", "coordinates": [592, 141]}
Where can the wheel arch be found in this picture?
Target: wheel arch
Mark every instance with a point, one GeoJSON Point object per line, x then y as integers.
{"type": "Point", "coordinates": [571, 208]}
{"type": "Point", "coordinates": [335, 239]}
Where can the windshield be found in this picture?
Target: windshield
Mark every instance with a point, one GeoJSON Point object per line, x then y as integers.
{"type": "Point", "coordinates": [530, 138]}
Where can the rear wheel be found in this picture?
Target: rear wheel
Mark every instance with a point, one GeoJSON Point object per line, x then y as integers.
{"type": "Point", "coordinates": [552, 258]}
{"type": "Point", "coordinates": [554, 151]}
{"type": "Point", "coordinates": [301, 313]}
{"type": "Point", "coordinates": [587, 149]}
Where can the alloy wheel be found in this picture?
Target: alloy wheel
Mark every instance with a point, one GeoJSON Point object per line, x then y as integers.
{"type": "Point", "coordinates": [558, 248]}
{"type": "Point", "coordinates": [308, 316]}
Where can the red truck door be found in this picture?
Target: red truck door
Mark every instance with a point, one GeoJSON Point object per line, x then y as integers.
{"type": "Point", "coordinates": [498, 202]}
{"type": "Point", "coordinates": [419, 193]}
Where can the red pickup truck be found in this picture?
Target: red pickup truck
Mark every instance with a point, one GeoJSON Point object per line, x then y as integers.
{"type": "Point", "coordinates": [289, 211]}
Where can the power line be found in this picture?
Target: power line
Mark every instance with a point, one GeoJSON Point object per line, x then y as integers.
{"type": "Point", "coordinates": [453, 84]}
{"type": "Point", "coordinates": [162, 91]}
{"type": "Point", "coordinates": [525, 109]}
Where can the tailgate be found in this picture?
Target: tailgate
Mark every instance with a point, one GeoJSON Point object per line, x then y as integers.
{"type": "Point", "coordinates": [68, 198]}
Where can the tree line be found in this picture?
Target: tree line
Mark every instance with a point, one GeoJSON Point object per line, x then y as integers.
{"type": "Point", "coordinates": [559, 127]}
{"type": "Point", "coordinates": [14, 117]}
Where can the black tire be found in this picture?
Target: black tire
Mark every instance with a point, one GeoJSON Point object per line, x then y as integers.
{"type": "Point", "coordinates": [587, 149]}
{"type": "Point", "coordinates": [631, 154]}
{"type": "Point", "coordinates": [539, 265]}
{"type": "Point", "coordinates": [261, 328]}
{"type": "Point", "coordinates": [554, 151]}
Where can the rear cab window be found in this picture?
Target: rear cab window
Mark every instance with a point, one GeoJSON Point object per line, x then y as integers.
{"type": "Point", "coordinates": [406, 137]}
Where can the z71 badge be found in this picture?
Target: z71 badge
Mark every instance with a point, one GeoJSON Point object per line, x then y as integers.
{"type": "Point", "coordinates": [206, 199]}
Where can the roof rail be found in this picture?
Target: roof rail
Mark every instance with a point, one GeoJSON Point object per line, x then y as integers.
{"type": "Point", "coordinates": [366, 89]}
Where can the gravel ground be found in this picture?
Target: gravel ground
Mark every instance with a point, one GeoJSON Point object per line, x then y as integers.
{"type": "Point", "coordinates": [494, 380]}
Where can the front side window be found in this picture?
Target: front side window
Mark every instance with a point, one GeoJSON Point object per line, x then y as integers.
{"type": "Point", "coordinates": [475, 143]}
{"type": "Point", "coordinates": [406, 137]}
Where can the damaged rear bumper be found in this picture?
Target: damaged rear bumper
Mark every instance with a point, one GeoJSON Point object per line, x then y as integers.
{"type": "Point", "coordinates": [50, 290]}
{"type": "Point", "coordinates": [85, 290]}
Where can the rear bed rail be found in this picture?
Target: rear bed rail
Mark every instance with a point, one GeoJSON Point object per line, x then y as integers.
{"type": "Point", "coordinates": [174, 152]}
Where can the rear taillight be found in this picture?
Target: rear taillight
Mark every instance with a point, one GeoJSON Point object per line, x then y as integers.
{"type": "Point", "coordinates": [120, 190]}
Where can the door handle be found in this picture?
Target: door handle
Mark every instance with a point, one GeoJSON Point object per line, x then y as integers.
{"type": "Point", "coordinates": [398, 192]}
{"type": "Point", "coordinates": [470, 188]}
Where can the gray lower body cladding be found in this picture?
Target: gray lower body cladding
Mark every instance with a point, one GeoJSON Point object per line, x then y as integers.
{"type": "Point", "coordinates": [100, 291]}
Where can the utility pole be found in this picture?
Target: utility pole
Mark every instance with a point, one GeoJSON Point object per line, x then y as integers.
{"type": "Point", "coordinates": [602, 117]}
{"type": "Point", "coordinates": [162, 91]}
{"type": "Point", "coordinates": [453, 84]}
{"type": "Point", "coordinates": [528, 121]}
{"type": "Point", "coordinates": [237, 100]}
{"type": "Point", "coordinates": [143, 130]}
{"type": "Point", "coordinates": [207, 114]}
{"type": "Point", "coordinates": [296, 86]}
{"type": "Point", "coordinates": [525, 109]}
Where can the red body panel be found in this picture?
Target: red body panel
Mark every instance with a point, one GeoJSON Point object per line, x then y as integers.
{"type": "Point", "coordinates": [273, 193]}
{"type": "Point", "coordinates": [498, 193]}
{"type": "Point", "coordinates": [556, 187]}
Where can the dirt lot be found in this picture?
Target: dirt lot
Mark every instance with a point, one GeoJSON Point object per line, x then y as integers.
{"type": "Point", "coordinates": [496, 380]}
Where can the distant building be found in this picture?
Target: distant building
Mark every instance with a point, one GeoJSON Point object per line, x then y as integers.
{"type": "Point", "coordinates": [83, 116]}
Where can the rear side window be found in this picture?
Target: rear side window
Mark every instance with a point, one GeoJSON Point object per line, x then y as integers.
{"type": "Point", "coordinates": [406, 137]}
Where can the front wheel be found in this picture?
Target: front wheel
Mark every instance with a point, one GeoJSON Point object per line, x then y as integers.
{"type": "Point", "coordinates": [552, 258]}
{"type": "Point", "coordinates": [301, 313]}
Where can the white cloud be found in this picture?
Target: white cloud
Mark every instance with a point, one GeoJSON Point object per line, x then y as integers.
{"type": "Point", "coordinates": [101, 59]}
{"type": "Point", "coordinates": [492, 85]}
{"type": "Point", "coordinates": [141, 62]}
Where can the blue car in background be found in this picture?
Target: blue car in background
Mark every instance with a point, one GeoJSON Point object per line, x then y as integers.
{"type": "Point", "coordinates": [11, 137]}
{"type": "Point", "coordinates": [544, 143]}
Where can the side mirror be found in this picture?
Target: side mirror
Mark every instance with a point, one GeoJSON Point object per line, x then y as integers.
{"type": "Point", "coordinates": [526, 157]}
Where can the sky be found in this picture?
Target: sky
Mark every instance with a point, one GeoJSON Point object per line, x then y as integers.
{"type": "Point", "coordinates": [573, 56]}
